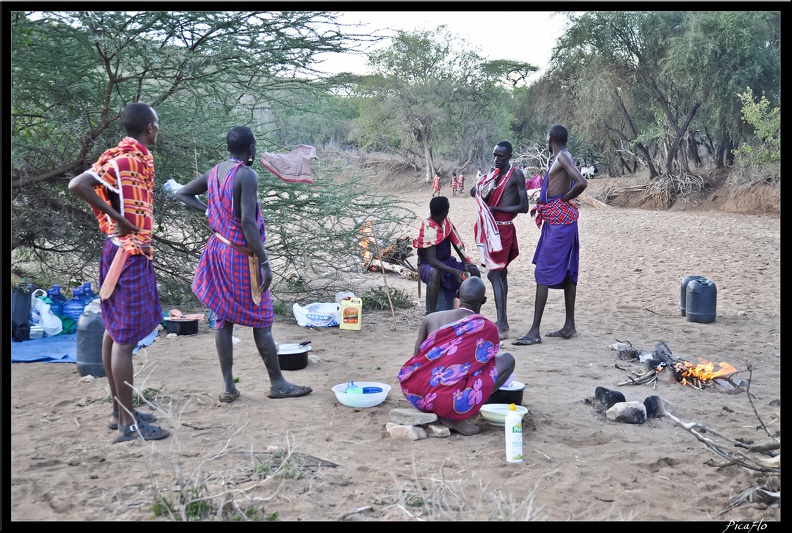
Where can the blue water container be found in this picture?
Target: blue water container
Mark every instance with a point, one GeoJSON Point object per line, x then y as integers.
{"type": "Point", "coordinates": [683, 291]}
{"type": "Point", "coordinates": [89, 294]}
{"type": "Point", "coordinates": [702, 298]}
{"type": "Point", "coordinates": [58, 295]}
{"type": "Point", "coordinates": [56, 305]}
{"type": "Point", "coordinates": [75, 307]}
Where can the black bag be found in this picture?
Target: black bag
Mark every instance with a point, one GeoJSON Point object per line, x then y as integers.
{"type": "Point", "coordinates": [20, 313]}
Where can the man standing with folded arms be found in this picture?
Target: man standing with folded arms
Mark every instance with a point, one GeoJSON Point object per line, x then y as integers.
{"type": "Point", "coordinates": [119, 188]}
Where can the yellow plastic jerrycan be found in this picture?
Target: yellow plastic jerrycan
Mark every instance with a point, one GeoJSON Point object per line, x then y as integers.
{"type": "Point", "coordinates": [351, 313]}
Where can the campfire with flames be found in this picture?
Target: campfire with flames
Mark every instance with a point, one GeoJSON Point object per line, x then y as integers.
{"type": "Point", "coordinates": [699, 375]}
{"type": "Point", "coordinates": [391, 258]}
{"type": "Point", "coordinates": [688, 373]}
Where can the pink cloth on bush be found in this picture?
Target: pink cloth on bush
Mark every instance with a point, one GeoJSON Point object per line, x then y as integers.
{"type": "Point", "coordinates": [294, 166]}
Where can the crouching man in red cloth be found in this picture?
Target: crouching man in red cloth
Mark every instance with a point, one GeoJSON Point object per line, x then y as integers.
{"type": "Point", "coordinates": [455, 364]}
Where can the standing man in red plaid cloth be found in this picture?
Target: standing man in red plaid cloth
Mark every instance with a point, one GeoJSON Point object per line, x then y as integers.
{"type": "Point", "coordinates": [500, 197]}
{"type": "Point", "coordinates": [119, 188]}
{"type": "Point", "coordinates": [234, 274]}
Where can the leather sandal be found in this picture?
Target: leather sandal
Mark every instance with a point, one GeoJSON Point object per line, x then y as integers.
{"type": "Point", "coordinates": [139, 416]}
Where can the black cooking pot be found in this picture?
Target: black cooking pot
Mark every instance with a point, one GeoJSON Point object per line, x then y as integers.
{"type": "Point", "coordinates": [508, 395]}
{"type": "Point", "coordinates": [294, 356]}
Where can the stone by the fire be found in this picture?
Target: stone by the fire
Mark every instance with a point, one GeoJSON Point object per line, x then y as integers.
{"type": "Point", "coordinates": [605, 398]}
{"type": "Point", "coordinates": [405, 432]}
{"type": "Point", "coordinates": [411, 417]}
{"type": "Point", "coordinates": [629, 412]}
{"type": "Point", "coordinates": [657, 407]}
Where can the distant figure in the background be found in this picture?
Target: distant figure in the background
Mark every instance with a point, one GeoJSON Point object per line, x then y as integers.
{"type": "Point", "coordinates": [534, 185]}
{"type": "Point", "coordinates": [461, 183]}
{"type": "Point", "coordinates": [454, 183]}
{"type": "Point", "coordinates": [535, 182]}
{"type": "Point", "coordinates": [436, 184]}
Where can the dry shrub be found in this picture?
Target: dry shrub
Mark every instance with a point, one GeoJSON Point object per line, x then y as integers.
{"type": "Point", "coordinates": [743, 177]}
{"type": "Point", "coordinates": [665, 189]}
{"type": "Point", "coordinates": [427, 498]}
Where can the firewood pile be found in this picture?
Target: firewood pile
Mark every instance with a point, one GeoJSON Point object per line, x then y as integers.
{"type": "Point", "coordinates": [394, 258]}
{"type": "Point", "coordinates": [698, 376]}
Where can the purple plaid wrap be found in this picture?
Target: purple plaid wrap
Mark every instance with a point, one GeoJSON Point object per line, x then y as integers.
{"type": "Point", "coordinates": [222, 280]}
{"type": "Point", "coordinates": [133, 311]}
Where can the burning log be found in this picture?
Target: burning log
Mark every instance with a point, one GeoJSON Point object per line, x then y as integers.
{"type": "Point", "coordinates": [698, 376]}
{"type": "Point", "coordinates": [375, 264]}
{"type": "Point", "coordinates": [686, 372]}
{"type": "Point", "coordinates": [398, 252]}
{"type": "Point", "coordinates": [391, 258]}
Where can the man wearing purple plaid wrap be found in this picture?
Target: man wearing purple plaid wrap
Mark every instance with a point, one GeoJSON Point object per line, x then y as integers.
{"type": "Point", "coordinates": [119, 188]}
{"type": "Point", "coordinates": [234, 274]}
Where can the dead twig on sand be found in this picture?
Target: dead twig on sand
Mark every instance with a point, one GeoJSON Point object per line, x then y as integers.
{"type": "Point", "coordinates": [355, 511]}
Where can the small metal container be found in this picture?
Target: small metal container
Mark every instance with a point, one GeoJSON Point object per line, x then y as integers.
{"type": "Point", "coordinates": [294, 356]}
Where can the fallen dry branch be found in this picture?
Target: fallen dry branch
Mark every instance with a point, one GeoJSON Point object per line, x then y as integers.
{"type": "Point", "coordinates": [355, 511]}
{"type": "Point", "coordinates": [650, 376]}
{"type": "Point", "coordinates": [733, 457]}
{"type": "Point", "coordinates": [667, 188]}
{"type": "Point", "coordinates": [755, 494]}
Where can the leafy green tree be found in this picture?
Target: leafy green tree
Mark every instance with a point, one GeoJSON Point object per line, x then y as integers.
{"type": "Point", "coordinates": [428, 97]}
{"type": "Point", "coordinates": [717, 55]}
{"type": "Point", "coordinates": [766, 123]}
{"type": "Point", "coordinates": [657, 87]}
{"type": "Point", "coordinates": [204, 72]}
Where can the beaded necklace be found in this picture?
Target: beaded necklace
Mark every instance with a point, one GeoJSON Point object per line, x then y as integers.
{"type": "Point", "coordinates": [499, 180]}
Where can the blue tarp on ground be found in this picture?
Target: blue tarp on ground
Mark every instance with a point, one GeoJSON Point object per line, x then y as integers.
{"type": "Point", "coordinates": [57, 349]}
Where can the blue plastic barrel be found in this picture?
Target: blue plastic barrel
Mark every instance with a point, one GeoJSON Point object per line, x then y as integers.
{"type": "Point", "coordinates": [702, 298]}
{"type": "Point", "coordinates": [683, 291]}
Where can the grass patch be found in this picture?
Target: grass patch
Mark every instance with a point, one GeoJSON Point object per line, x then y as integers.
{"type": "Point", "coordinates": [149, 396]}
{"type": "Point", "coordinates": [280, 465]}
{"type": "Point", "coordinates": [376, 299]}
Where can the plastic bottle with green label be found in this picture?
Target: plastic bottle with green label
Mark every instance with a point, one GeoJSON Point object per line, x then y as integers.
{"type": "Point", "coordinates": [513, 430]}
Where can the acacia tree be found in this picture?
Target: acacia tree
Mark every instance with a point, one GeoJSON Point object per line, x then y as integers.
{"type": "Point", "coordinates": [204, 72]}
{"type": "Point", "coordinates": [427, 97]}
{"type": "Point", "coordinates": [647, 83]}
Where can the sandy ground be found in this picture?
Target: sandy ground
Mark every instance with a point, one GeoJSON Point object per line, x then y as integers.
{"type": "Point", "coordinates": [579, 465]}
